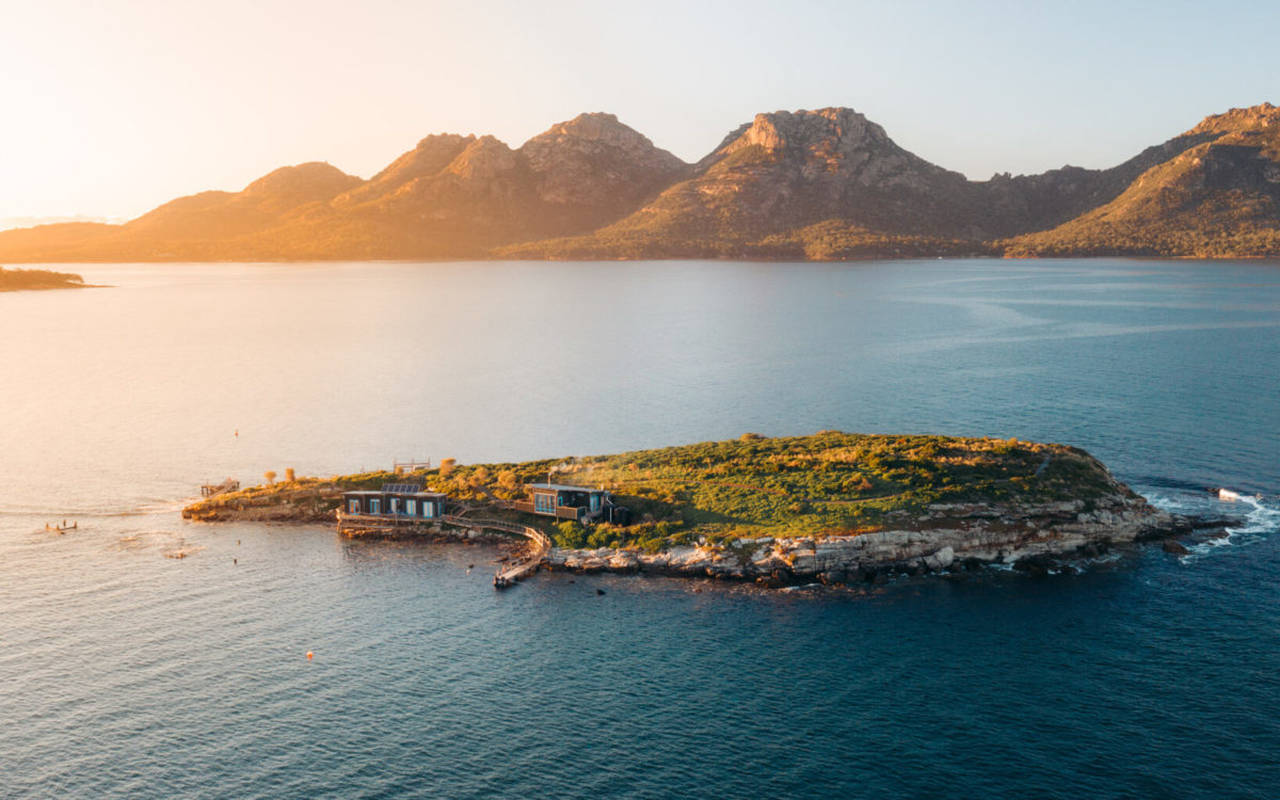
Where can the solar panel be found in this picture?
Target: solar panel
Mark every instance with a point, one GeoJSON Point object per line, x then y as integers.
{"type": "Point", "coordinates": [401, 488]}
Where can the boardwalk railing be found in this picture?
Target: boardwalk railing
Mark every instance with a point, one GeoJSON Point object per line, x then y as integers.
{"type": "Point", "coordinates": [561, 512]}
{"type": "Point", "coordinates": [527, 564]}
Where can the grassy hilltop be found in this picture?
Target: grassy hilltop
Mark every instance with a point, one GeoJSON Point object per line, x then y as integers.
{"type": "Point", "coordinates": [827, 483]}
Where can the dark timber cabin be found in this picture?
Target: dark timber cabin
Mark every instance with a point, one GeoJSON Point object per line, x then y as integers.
{"type": "Point", "coordinates": [571, 502]}
{"type": "Point", "coordinates": [399, 500]}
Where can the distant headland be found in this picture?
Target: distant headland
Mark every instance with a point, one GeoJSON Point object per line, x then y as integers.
{"type": "Point", "coordinates": [805, 185]}
{"type": "Point", "coordinates": [832, 507]}
{"type": "Point", "coordinates": [14, 280]}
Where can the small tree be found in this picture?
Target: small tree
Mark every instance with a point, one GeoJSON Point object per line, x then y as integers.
{"type": "Point", "coordinates": [270, 475]}
{"type": "Point", "coordinates": [507, 480]}
{"type": "Point", "coordinates": [480, 477]}
{"type": "Point", "coordinates": [289, 475]}
{"type": "Point", "coordinates": [447, 465]}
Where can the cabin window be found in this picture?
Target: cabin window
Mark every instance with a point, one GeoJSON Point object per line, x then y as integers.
{"type": "Point", "coordinates": [411, 507]}
{"type": "Point", "coordinates": [375, 505]}
{"type": "Point", "coordinates": [544, 503]}
{"type": "Point", "coordinates": [595, 502]}
{"type": "Point", "coordinates": [353, 506]}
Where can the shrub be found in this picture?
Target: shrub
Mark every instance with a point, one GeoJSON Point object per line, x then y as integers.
{"type": "Point", "coordinates": [447, 466]}
{"type": "Point", "coordinates": [570, 534]}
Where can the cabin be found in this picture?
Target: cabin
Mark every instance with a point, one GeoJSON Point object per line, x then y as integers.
{"type": "Point", "coordinates": [395, 500]}
{"type": "Point", "coordinates": [571, 502]}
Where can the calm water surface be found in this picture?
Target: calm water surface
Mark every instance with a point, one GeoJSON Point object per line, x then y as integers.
{"type": "Point", "coordinates": [127, 674]}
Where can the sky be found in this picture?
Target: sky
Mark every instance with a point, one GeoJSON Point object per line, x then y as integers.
{"type": "Point", "coordinates": [116, 107]}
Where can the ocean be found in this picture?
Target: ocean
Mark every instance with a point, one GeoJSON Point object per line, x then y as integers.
{"type": "Point", "coordinates": [126, 672]}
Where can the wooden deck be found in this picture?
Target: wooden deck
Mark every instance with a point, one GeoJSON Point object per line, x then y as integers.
{"type": "Point", "coordinates": [523, 566]}
{"type": "Point", "coordinates": [526, 564]}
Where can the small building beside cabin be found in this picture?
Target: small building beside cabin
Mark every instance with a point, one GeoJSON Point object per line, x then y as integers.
{"type": "Point", "coordinates": [571, 502]}
{"type": "Point", "coordinates": [398, 500]}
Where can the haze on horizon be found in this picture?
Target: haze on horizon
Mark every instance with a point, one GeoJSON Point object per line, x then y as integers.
{"type": "Point", "coordinates": [116, 110]}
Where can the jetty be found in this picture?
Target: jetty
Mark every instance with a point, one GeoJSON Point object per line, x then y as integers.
{"type": "Point", "coordinates": [527, 563]}
{"type": "Point", "coordinates": [228, 485]}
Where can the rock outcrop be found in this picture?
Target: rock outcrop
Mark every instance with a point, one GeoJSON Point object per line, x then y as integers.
{"type": "Point", "coordinates": [592, 170]}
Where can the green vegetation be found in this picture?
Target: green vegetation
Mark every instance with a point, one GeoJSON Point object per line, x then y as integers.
{"type": "Point", "coordinates": [827, 483]}
{"type": "Point", "coordinates": [831, 240]}
{"type": "Point", "coordinates": [12, 280]}
{"type": "Point", "coordinates": [835, 240]}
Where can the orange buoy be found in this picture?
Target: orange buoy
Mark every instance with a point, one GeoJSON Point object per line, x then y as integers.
{"type": "Point", "coordinates": [309, 655]}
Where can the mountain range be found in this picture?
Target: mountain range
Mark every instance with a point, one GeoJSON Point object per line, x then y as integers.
{"type": "Point", "coordinates": [816, 185]}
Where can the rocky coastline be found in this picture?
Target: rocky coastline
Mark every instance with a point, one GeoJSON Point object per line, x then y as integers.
{"type": "Point", "coordinates": [1032, 539]}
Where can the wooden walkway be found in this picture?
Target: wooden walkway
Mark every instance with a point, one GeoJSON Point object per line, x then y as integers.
{"type": "Point", "coordinates": [523, 566]}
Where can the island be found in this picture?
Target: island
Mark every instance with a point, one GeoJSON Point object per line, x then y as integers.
{"type": "Point", "coordinates": [832, 507]}
{"type": "Point", "coordinates": [13, 280]}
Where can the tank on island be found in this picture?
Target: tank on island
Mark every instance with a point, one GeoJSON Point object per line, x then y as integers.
{"type": "Point", "coordinates": [834, 507]}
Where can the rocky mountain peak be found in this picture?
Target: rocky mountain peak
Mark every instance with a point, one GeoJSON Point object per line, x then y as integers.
{"type": "Point", "coordinates": [838, 128]}
{"type": "Point", "coordinates": [1253, 118]}
{"type": "Point", "coordinates": [596, 127]}
{"type": "Point", "coordinates": [593, 135]}
{"type": "Point", "coordinates": [593, 168]}
{"type": "Point", "coordinates": [484, 158]}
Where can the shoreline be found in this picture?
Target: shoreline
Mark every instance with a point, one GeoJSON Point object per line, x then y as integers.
{"type": "Point", "coordinates": [499, 259]}
{"type": "Point", "coordinates": [55, 288]}
{"type": "Point", "coordinates": [837, 561]}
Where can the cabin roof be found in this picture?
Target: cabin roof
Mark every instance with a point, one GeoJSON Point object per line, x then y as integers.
{"type": "Point", "coordinates": [559, 487]}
